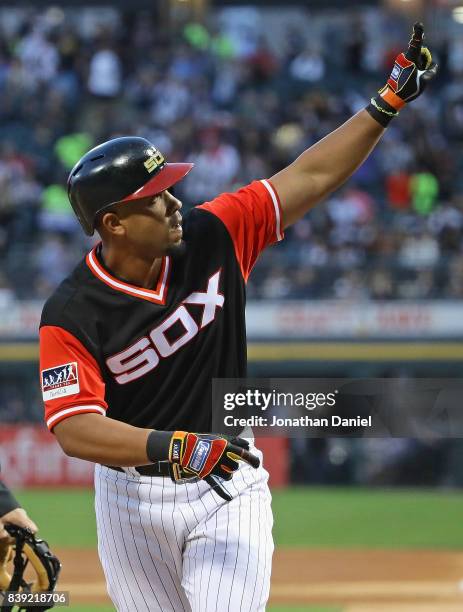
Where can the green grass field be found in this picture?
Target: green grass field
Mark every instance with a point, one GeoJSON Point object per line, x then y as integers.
{"type": "Point", "coordinates": [314, 518]}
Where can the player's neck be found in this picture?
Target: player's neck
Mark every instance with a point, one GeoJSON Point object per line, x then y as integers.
{"type": "Point", "coordinates": [132, 268]}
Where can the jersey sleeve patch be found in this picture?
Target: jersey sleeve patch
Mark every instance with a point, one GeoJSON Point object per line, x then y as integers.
{"type": "Point", "coordinates": [60, 381]}
{"type": "Point", "coordinates": [70, 377]}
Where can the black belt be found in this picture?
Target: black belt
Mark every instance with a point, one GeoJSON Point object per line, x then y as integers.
{"type": "Point", "coordinates": [155, 469]}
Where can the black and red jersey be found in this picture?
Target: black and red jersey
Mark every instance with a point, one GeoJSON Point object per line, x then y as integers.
{"type": "Point", "coordinates": [147, 356]}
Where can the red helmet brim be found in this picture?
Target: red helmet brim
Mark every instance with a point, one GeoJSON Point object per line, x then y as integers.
{"type": "Point", "coordinates": [167, 177]}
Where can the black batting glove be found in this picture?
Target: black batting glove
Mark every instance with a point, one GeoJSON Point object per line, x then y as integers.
{"type": "Point", "coordinates": [212, 458]}
{"type": "Point", "coordinates": [411, 73]}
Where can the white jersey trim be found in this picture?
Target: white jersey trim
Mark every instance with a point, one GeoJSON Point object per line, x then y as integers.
{"type": "Point", "coordinates": [276, 206]}
{"type": "Point", "coordinates": [125, 286]}
{"type": "Point", "coordinates": [74, 409]}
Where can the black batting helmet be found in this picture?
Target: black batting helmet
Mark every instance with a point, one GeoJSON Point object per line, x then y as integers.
{"type": "Point", "coordinates": [120, 170]}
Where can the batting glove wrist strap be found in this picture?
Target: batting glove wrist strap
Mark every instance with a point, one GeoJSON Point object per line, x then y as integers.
{"type": "Point", "coordinates": [381, 111]}
{"type": "Point", "coordinates": [158, 445]}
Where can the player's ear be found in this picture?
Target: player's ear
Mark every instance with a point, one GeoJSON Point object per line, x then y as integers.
{"type": "Point", "coordinates": [110, 224]}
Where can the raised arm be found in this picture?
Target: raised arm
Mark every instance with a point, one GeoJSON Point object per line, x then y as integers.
{"type": "Point", "coordinates": [331, 161]}
{"type": "Point", "coordinates": [325, 166]}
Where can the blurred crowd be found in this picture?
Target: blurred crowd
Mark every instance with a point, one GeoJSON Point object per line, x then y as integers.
{"type": "Point", "coordinates": [377, 462]}
{"type": "Point", "coordinates": [240, 107]}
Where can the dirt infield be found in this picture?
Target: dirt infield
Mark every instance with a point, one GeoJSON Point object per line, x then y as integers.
{"type": "Point", "coordinates": [360, 580]}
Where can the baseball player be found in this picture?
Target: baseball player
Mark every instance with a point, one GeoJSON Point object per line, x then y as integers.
{"type": "Point", "coordinates": [146, 320]}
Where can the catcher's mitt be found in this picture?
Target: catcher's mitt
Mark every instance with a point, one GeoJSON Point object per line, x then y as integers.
{"type": "Point", "coordinates": [21, 549]}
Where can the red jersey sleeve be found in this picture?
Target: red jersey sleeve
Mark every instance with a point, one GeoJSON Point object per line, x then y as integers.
{"type": "Point", "coordinates": [252, 217]}
{"type": "Point", "coordinates": [70, 377]}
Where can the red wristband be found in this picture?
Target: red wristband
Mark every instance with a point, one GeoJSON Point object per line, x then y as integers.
{"type": "Point", "coordinates": [392, 98]}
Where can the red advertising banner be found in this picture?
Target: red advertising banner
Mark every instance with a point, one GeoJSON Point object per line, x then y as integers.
{"type": "Point", "coordinates": [30, 456]}
{"type": "Point", "coordinates": [276, 460]}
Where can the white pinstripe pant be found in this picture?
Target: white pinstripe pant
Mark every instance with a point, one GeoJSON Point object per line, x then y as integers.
{"type": "Point", "coordinates": [173, 548]}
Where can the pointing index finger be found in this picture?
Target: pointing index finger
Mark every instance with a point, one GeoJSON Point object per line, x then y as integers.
{"type": "Point", "coordinates": [250, 458]}
{"type": "Point", "coordinates": [241, 454]}
{"type": "Point", "coordinates": [418, 30]}
{"type": "Point", "coordinates": [416, 42]}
